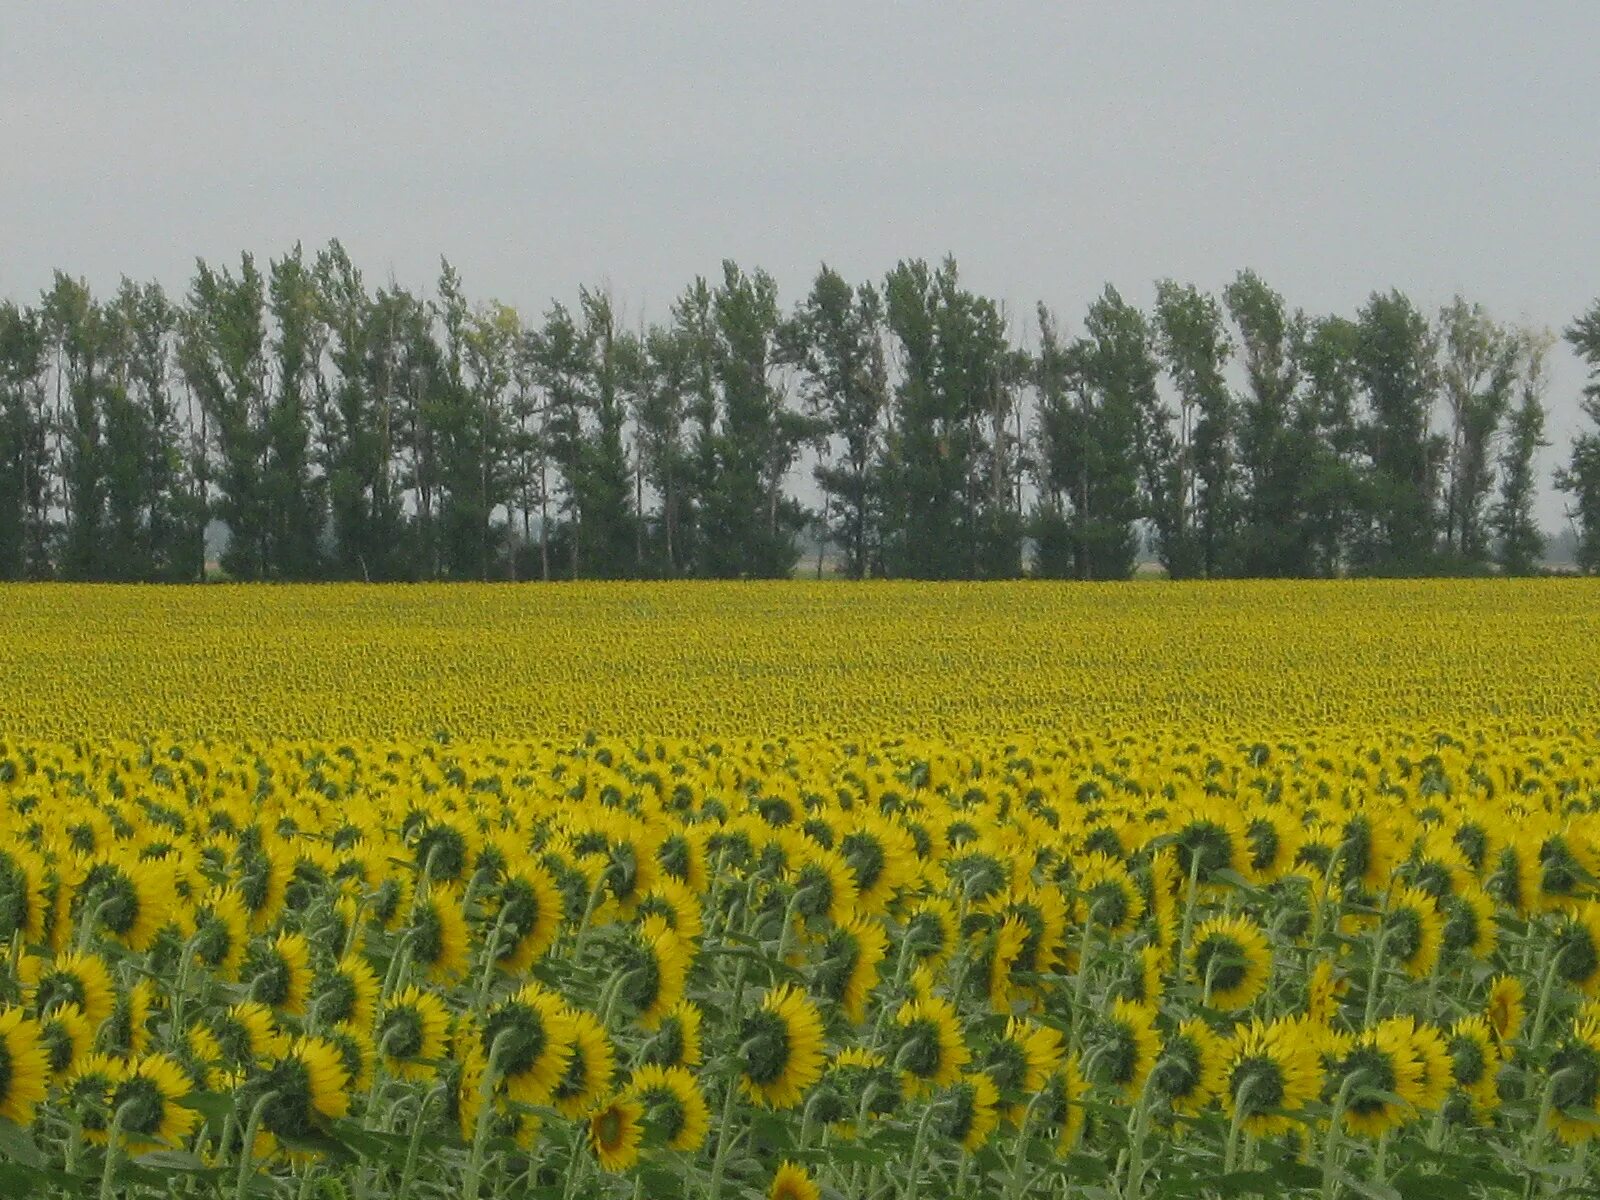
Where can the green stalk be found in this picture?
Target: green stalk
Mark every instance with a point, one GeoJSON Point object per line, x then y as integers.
{"type": "Point", "coordinates": [251, 1128]}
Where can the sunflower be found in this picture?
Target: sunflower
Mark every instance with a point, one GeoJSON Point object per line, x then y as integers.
{"type": "Point", "coordinates": [24, 1067]}
{"type": "Point", "coordinates": [201, 1056]}
{"type": "Point", "coordinates": [67, 1037]}
{"type": "Point", "coordinates": [824, 883]}
{"type": "Point", "coordinates": [127, 1032]}
{"type": "Point", "coordinates": [248, 1033]}
{"type": "Point", "coordinates": [616, 1130]}
{"type": "Point", "coordinates": [881, 855]}
{"type": "Point", "coordinates": [1412, 931]}
{"type": "Point", "coordinates": [676, 1040]}
{"type": "Point", "coordinates": [1064, 1110]}
{"type": "Point", "coordinates": [1577, 948]}
{"type": "Point", "coordinates": [529, 917]}
{"type": "Point", "coordinates": [848, 969]}
{"type": "Point", "coordinates": [80, 979]}
{"type": "Point", "coordinates": [654, 967]}
{"type": "Point", "coordinates": [587, 1080]}
{"type": "Point", "coordinates": [931, 1050]}
{"type": "Point", "coordinates": [534, 1033]}
{"type": "Point", "coordinates": [1230, 961]}
{"type": "Point", "coordinates": [1109, 896]}
{"type": "Point", "coordinates": [1573, 1083]}
{"type": "Point", "coordinates": [1506, 1008]}
{"type": "Point", "coordinates": [675, 1111]}
{"type": "Point", "coordinates": [930, 932]}
{"type": "Point", "coordinates": [1191, 1069]}
{"type": "Point", "coordinates": [676, 905]}
{"type": "Point", "coordinates": [1469, 923]}
{"type": "Point", "coordinates": [1383, 1075]}
{"type": "Point", "coordinates": [970, 1112]}
{"type": "Point", "coordinates": [279, 973]}
{"type": "Point", "coordinates": [86, 1093]}
{"type": "Point", "coordinates": [221, 932]}
{"type": "Point", "coordinates": [309, 1084]}
{"type": "Point", "coordinates": [791, 1181]}
{"type": "Point", "coordinates": [356, 1050]}
{"type": "Point", "coordinates": [1475, 1062]}
{"type": "Point", "coordinates": [1023, 1059]}
{"type": "Point", "coordinates": [145, 1100]}
{"type": "Point", "coordinates": [1432, 1051]}
{"type": "Point", "coordinates": [24, 897]}
{"type": "Point", "coordinates": [348, 994]}
{"type": "Point", "coordinates": [1273, 840]}
{"type": "Point", "coordinates": [1325, 987]}
{"type": "Point", "coordinates": [130, 900]}
{"type": "Point", "coordinates": [1004, 954]}
{"type": "Point", "coordinates": [781, 1046]}
{"type": "Point", "coordinates": [1210, 838]}
{"type": "Point", "coordinates": [1122, 1046]}
{"type": "Point", "coordinates": [437, 935]}
{"type": "Point", "coordinates": [1515, 878]}
{"type": "Point", "coordinates": [1367, 852]}
{"type": "Point", "coordinates": [1146, 981]}
{"type": "Point", "coordinates": [412, 1034]}
{"type": "Point", "coordinates": [1272, 1072]}
{"type": "Point", "coordinates": [859, 1084]}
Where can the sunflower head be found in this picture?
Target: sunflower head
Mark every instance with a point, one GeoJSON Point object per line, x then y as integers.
{"type": "Point", "coordinates": [781, 1048]}
{"type": "Point", "coordinates": [616, 1131]}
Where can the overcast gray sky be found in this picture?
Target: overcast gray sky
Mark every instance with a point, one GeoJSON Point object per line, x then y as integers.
{"type": "Point", "coordinates": [1052, 147]}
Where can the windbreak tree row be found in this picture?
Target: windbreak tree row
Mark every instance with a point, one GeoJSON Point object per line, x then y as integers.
{"type": "Point", "coordinates": [312, 426]}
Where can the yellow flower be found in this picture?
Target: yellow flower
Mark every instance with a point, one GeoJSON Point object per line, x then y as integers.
{"type": "Point", "coordinates": [24, 1067]}
{"type": "Point", "coordinates": [1571, 1082]}
{"type": "Point", "coordinates": [932, 1052]}
{"type": "Point", "coordinates": [970, 1112]}
{"type": "Point", "coordinates": [793, 1182]}
{"type": "Point", "coordinates": [144, 1099]}
{"type": "Point", "coordinates": [616, 1130]}
{"type": "Point", "coordinates": [781, 1048]}
{"type": "Point", "coordinates": [1474, 1063]}
{"type": "Point", "coordinates": [1190, 1071]}
{"type": "Point", "coordinates": [1577, 948]}
{"type": "Point", "coordinates": [1124, 1045]}
{"type": "Point", "coordinates": [1505, 1007]}
{"type": "Point", "coordinates": [587, 1080]}
{"type": "Point", "coordinates": [1272, 1072]}
{"type": "Point", "coordinates": [527, 1041]}
{"type": "Point", "coordinates": [673, 1105]}
{"type": "Point", "coordinates": [80, 979]}
{"type": "Point", "coordinates": [437, 935]}
{"type": "Point", "coordinates": [1412, 931]}
{"type": "Point", "coordinates": [1381, 1077]}
{"type": "Point", "coordinates": [411, 1035]}
{"type": "Point", "coordinates": [1230, 960]}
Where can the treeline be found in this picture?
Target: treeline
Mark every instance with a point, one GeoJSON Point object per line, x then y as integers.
{"type": "Point", "coordinates": [345, 431]}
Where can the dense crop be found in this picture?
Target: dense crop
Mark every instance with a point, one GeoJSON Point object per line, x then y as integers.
{"type": "Point", "coordinates": [1338, 938]}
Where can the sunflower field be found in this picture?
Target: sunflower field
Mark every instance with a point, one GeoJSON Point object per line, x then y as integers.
{"type": "Point", "coordinates": [801, 892]}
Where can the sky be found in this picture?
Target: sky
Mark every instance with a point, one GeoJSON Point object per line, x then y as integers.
{"type": "Point", "coordinates": [1336, 149]}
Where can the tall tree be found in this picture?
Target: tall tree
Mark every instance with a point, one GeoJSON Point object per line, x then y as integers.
{"type": "Point", "coordinates": [749, 524]}
{"type": "Point", "coordinates": [1395, 362]}
{"type": "Point", "coordinates": [222, 352]}
{"type": "Point", "coordinates": [1580, 477]}
{"type": "Point", "coordinates": [78, 333]}
{"type": "Point", "coordinates": [1276, 432]}
{"type": "Point", "coordinates": [837, 340]}
{"type": "Point", "coordinates": [1197, 519]}
{"type": "Point", "coordinates": [25, 492]}
{"type": "Point", "coordinates": [1334, 490]}
{"type": "Point", "coordinates": [1519, 543]}
{"type": "Point", "coordinates": [1477, 374]}
{"type": "Point", "coordinates": [292, 498]}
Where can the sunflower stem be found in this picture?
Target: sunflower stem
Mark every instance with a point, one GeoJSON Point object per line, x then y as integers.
{"type": "Point", "coordinates": [1139, 1128]}
{"type": "Point", "coordinates": [251, 1128]}
{"type": "Point", "coordinates": [409, 1170]}
{"type": "Point", "coordinates": [913, 1184]}
{"type": "Point", "coordinates": [473, 1182]}
{"type": "Point", "coordinates": [1330, 1148]}
{"type": "Point", "coordinates": [1547, 984]}
{"type": "Point", "coordinates": [725, 1126]}
{"type": "Point", "coordinates": [113, 1144]}
{"type": "Point", "coordinates": [1019, 1159]}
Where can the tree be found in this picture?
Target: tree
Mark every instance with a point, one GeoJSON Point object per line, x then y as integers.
{"type": "Point", "coordinates": [748, 524]}
{"type": "Point", "coordinates": [1196, 520]}
{"type": "Point", "coordinates": [77, 331]}
{"type": "Point", "coordinates": [25, 492]}
{"type": "Point", "coordinates": [837, 342]}
{"type": "Point", "coordinates": [222, 353]}
{"type": "Point", "coordinates": [1580, 478]}
{"type": "Point", "coordinates": [1395, 362]}
{"type": "Point", "coordinates": [1519, 543]}
{"type": "Point", "coordinates": [1276, 434]}
{"type": "Point", "coordinates": [1477, 373]}
{"type": "Point", "coordinates": [1334, 491]}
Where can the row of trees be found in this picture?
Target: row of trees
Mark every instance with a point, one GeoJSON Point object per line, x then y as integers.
{"type": "Point", "coordinates": [344, 431]}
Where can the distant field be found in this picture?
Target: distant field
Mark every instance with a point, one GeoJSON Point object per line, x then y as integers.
{"type": "Point", "coordinates": [786, 658]}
